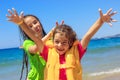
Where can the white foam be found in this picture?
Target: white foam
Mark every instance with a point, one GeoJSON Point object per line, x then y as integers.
{"type": "Point", "coordinates": [117, 70]}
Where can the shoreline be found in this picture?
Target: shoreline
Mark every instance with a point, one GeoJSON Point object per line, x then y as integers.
{"type": "Point", "coordinates": [115, 76]}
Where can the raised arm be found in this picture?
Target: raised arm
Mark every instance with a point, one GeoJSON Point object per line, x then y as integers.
{"type": "Point", "coordinates": [96, 26]}
{"type": "Point", "coordinates": [18, 19]}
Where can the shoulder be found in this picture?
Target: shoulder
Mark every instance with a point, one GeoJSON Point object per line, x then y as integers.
{"type": "Point", "coordinates": [27, 44]}
{"type": "Point", "coordinates": [49, 43]}
{"type": "Point", "coordinates": [76, 43]}
{"type": "Point", "coordinates": [28, 41]}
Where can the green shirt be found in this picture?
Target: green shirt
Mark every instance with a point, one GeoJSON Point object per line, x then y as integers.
{"type": "Point", "coordinates": [37, 63]}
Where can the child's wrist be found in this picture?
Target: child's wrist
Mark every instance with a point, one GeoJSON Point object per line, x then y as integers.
{"type": "Point", "coordinates": [21, 22]}
{"type": "Point", "coordinates": [51, 33]}
{"type": "Point", "coordinates": [101, 20]}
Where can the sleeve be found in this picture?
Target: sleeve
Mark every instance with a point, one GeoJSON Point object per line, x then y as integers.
{"type": "Point", "coordinates": [44, 53]}
{"type": "Point", "coordinates": [27, 44]}
{"type": "Point", "coordinates": [81, 50]}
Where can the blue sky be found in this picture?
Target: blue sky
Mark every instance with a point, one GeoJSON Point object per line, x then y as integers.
{"type": "Point", "coordinates": [79, 14]}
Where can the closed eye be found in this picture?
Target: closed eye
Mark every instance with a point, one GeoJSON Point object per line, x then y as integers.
{"type": "Point", "coordinates": [64, 43]}
{"type": "Point", "coordinates": [35, 21]}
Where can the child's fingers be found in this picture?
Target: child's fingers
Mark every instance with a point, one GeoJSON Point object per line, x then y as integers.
{"type": "Point", "coordinates": [100, 11]}
{"type": "Point", "coordinates": [56, 23]}
{"type": "Point", "coordinates": [10, 12]}
{"type": "Point", "coordinates": [9, 20]}
{"type": "Point", "coordinates": [62, 22]}
{"type": "Point", "coordinates": [59, 24]}
{"type": "Point", "coordinates": [8, 16]}
{"type": "Point", "coordinates": [22, 14]}
{"type": "Point", "coordinates": [108, 12]}
{"type": "Point", "coordinates": [113, 20]}
{"type": "Point", "coordinates": [115, 12]}
{"type": "Point", "coordinates": [15, 12]}
{"type": "Point", "coordinates": [110, 24]}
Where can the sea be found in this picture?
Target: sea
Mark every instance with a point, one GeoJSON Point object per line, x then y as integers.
{"type": "Point", "coordinates": [100, 62]}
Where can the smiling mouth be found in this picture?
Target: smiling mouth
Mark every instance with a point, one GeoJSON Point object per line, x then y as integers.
{"type": "Point", "coordinates": [60, 50]}
{"type": "Point", "coordinates": [37, 30]}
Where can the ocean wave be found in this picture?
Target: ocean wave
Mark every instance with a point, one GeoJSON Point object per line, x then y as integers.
{"type": "Point", "coordinates": [117, 70]}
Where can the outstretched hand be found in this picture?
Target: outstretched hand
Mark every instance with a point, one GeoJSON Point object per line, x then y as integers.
{"type": "Point", "coordinates": [14, 17]}
{"type": "Point", "coordinates": [107, 16]}
{"type": "Point", "coordinates": [57, 25]}
{"type": "Point", "coordinates": [60, 24]}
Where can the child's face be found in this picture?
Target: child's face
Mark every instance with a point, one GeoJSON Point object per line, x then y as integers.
{"type": "Point", "coordinates": [34, 25]}
{"type": "Point", "coordinates": [61, 43]}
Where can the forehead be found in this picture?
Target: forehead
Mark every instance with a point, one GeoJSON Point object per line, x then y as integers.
{"type": "Point", "coordinates": [60, 36]}
{"type": "Point", "coordinates": [29, 19]}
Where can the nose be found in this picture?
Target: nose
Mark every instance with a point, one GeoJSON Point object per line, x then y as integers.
{"type": "Point", "coordinates": [60, 44]}
{"type": "Point", "coordinates": [34, 26]}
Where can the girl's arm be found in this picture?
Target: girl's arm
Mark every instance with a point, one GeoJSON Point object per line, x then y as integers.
{"type": "Point", "coordinates": [48, 36]}
{"type": "Point", "coordinates": [19, 20]}
{"type": "Point", "coordinates": [96, 26]}
{"type": "Point", "coordinates": [39, 44]}
{"type": "Point", "coordinates": [14, 17]}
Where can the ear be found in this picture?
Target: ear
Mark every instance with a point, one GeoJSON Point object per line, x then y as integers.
{"type": "Point", "coordinates": [70, 44]}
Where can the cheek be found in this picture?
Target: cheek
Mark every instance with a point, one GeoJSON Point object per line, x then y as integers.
{"type": "Point", "coordinates": [55, 45]}
{"type": "Point", "coordinates": [67, 45]}
{"type": "Point", "coordinates": [39, 26]}
{"type": "Point", "coordinates": [33, 29]}
{"type": "Point", "coordinates": [66, 48]}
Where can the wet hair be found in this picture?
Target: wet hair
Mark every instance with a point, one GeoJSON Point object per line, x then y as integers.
{"type": "Point", "coordinates": [24, 37]}
{"type": "Point", "coordinates": [69, 33]}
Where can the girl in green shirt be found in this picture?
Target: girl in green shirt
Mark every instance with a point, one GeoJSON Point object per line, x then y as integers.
{"type": "Point", "coordinates": [36, 62]}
